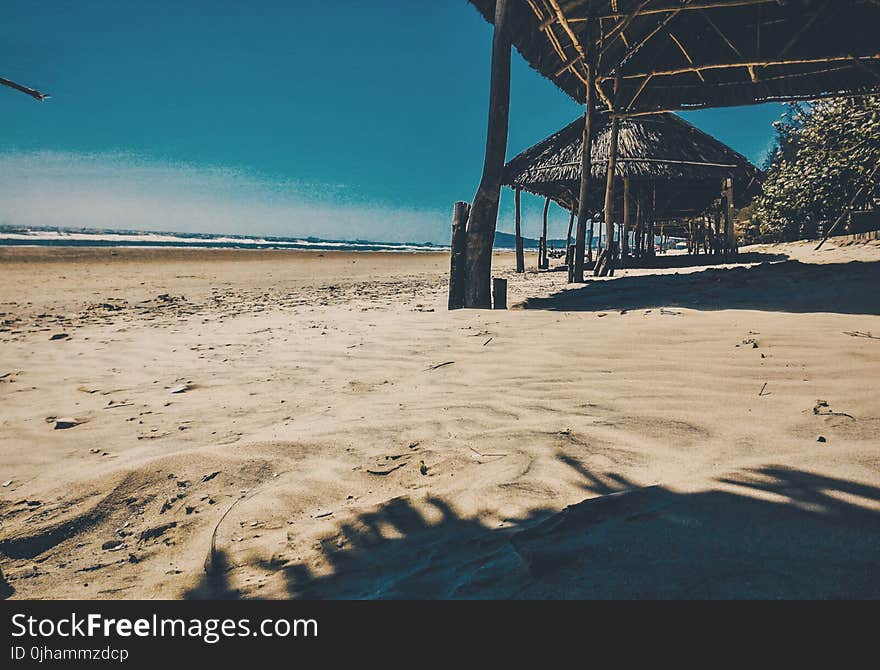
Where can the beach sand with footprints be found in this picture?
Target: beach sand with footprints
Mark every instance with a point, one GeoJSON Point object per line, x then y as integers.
{"type": "Point", "coordinates": [261, 424]}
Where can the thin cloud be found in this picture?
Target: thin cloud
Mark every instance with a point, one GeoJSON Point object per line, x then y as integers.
{"type": "Point", "coordinates": [124, 192]}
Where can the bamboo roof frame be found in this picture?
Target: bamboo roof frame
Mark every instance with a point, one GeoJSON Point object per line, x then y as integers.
{"type": "Point", "coordinates": [689, 54]}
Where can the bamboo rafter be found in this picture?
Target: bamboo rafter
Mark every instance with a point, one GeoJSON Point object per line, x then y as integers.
{"type": "Point", "coordinates": [686, 54]}
{"type": "Point", "coordinates": [716, 4]}
{"type": "Point", "coordinates": [657, 45]}
{"type": "Point", "coordinates": [545, 25]}
{"type": "Point", "coordinates": [734, 65]}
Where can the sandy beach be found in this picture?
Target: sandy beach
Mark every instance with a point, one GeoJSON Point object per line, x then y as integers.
{"type": "Point", "coordinates": [274, 424]}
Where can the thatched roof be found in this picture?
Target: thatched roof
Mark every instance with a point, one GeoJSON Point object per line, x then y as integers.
{"type": "Point", "coordinates": [680, 54]}
{"type": "Point", "coordinates": [685, 164]}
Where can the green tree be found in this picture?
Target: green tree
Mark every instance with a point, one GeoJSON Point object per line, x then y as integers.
{"type": "Point", "coordinates": [824, 153]}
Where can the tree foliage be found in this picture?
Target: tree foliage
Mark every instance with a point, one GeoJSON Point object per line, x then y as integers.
{"type": "Point", "coordinates": [823, 155]}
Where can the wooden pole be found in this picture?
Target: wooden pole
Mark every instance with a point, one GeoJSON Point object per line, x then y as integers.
{"type": "Point", "coordinates": [728, 217]}
{"type": "Point", "coordinates": [867, 184]}
{"type": "Point", "coordinates": [707, 233]}
{"type": "Point", "coordinates": [543, 260]}
{"type": "Point", "coordinates": [457, 256]}
{"type": "Point", "coordinates": [570, 228]}
{"type": "Point", "coordinates": [592, 239]}
{"type": "Point", "coordinates": [690, 237]}
{"type": "Point", "coordinates": [589, 243]}
{"type": "Point", "coordinates": [520, 256]}
{"type": "Point", "coordinates": [484, 209]}
{"type": "Point", "coordinates": [637, 238]}
{"type": "Point", "coordinates": [499, 293]}
{"type": "Point", "coordinates": [586, 157]}
{"type": "Point", "coordinates": [605, 265]}
{"type": "Point", "coordinates": [624, 232]}
{"type": "Point", "coordinates": [652, 212]}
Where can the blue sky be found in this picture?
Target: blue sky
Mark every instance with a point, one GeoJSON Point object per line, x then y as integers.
{"type": "Point", "coordinates": [358, 119]}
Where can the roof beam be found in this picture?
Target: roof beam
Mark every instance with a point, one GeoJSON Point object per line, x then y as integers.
{"type": "Point", "coordinates": [560, 17]}
{"type": "Point", "coordinates": [721, 34]}
{"type": "Point", "coordinates": [705, 4]}
{"type": "Point", "coordinates": [545, 24]}
{"type": "Point", "coordinates": [647, 38]}
{"type": "Point", "coordinates": [746, 64]}
{"type": "Point", "coordinates": [617, 31]}
{"type": "Point", "coordinates": [686, 54]}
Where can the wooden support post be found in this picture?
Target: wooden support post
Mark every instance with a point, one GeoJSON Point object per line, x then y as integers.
{"type": "Point", "coordinates": [568, 260]}
{"type": "Point", "coordinates": [484, 209]}
{"type": "Point", "coordinates": [652, 220]}
{"type": "Point", "coordinates": [728, 217]}
{"type": "Point", "coordinates": [520, 255]}
{"type": "Point", "coordinates": [499, 293]}
{"type": "Point", "coordinates": [457, 255]}
{"type": "Point", "coordinates": [583, 212]}
{"type": "Point", "coordinates": [543, 260]}
{"type": "Point", "coordinates": [590, 240]}
{"type": "Point", "coordinates": [605, 265]}
{"type": "Point", "coordinates": [690, 239]}
{"type": "Point", "coordinates": [707, 233]}
{"type": "Point", "coordinates": [624, 231]}
{"type": "Point", "coordinates": [637, 237]}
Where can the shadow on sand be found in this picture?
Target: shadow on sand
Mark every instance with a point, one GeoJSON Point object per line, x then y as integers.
{"type": "Point", "coordinates": [787, 286]}
{"type": "Point", "coordinates": [672, 261]}
{"type": "Point", "coordinates": [771, 532]}
{"type": "Point", "coordinates": [6, 589]}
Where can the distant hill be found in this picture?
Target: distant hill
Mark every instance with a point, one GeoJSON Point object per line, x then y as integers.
{"type": "Point", "coordinates": [508, 241]}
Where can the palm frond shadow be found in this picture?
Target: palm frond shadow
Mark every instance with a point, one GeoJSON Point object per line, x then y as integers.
{"type": "Point", "coordinates": [771, 532]}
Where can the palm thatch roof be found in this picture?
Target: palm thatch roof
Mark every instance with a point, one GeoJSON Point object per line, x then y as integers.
{"type": "Point", "coordinates": [685, 164]}
{"type": "Point", "coordinates": [680, 54]}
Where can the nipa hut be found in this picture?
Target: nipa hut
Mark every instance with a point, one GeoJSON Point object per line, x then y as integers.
{"type": "Point", "coordinates": [674, 180]}
{"type": "Point", "coordinates": [634, 57]}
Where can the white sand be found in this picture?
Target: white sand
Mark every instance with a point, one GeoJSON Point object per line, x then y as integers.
{"type": "Point", "coordinates": [311, 396]}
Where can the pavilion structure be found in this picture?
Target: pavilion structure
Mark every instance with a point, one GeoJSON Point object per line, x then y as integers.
{"type": "Point", "coordinates": [671, 179]}
{"type": "Point", "coordinates": [638, 57]}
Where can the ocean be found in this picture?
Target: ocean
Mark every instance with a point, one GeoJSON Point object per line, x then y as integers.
{"type": "Point", "coordinates": [106, 238]}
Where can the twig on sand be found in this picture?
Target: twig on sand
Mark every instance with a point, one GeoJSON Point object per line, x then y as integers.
{"type": "Point", "coordinates": [486, 455]}
{"type": "Point", "coordinates": [848, 416]}
{"type": "Point", "coordinates": [761, 392]}
{"type": "Point", "coordinates": [817, 410]}
{"type": "Point", "coordinates": [858, 333]}
{"type": "Point", "coordinates": [211, 558]}
{"type": "Point", "coordinates": [487, 341]}
{"type": "Point", "coordinates": [439, 365]}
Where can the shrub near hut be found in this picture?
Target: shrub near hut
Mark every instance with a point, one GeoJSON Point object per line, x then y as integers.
{"type": "Point", "coordinates": [826, 153]}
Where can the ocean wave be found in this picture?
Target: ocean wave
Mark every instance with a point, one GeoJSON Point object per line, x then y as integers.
{"type": "Point", "coordinates": [134, 239]}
